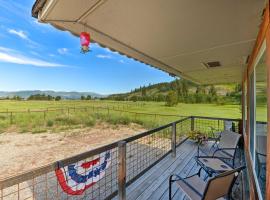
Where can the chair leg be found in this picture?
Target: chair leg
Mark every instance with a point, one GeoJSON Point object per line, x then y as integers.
{"type": "Point", "coordinates": [170, 187]}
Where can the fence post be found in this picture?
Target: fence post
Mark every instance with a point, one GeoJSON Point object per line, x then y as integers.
{"type": "Point", "coordinates": [122, 170]}
{"type": "Point", "coordinates": [11, 118]}
{"type": "Point", "coordinates": [192, 123]}
{"type": "Point", "coordinates": [173, 141]}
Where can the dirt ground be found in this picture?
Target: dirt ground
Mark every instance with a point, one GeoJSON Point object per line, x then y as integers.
{"type": "Point", "coordinates": [23, 152]}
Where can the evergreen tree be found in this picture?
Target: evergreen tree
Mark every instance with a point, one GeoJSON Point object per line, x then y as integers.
{"type": "Point", "coordinates": [171, 99]}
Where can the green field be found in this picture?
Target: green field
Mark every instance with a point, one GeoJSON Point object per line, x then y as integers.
{"type": "Point", "coordinates": [55, 116]}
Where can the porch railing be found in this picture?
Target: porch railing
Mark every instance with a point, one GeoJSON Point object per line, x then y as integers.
{"type": "Point", "coordinates": [111, 167]}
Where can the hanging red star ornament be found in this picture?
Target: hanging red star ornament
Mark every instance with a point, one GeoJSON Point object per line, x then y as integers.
{"type": "Point", "coordinates": [85, 42]}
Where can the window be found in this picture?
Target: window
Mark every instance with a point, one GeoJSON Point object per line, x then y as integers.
{"type": "Point", "coordinates": [244, 107]}
{"type": "Point", "coordinates": [258, 120]}
{"type": "Point", "coordinates": [251, 114]}
{"type": "Point", "coordinates": [261, 122]}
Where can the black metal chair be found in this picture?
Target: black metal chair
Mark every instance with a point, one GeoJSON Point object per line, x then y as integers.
{"type": "Point", "coordinates": [217, 187]}
{"type": "Point", "coordinates": [225, 149]}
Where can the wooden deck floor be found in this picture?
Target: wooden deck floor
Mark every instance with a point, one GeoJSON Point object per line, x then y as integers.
{"type": "Point", "coordinates": [154, 183]}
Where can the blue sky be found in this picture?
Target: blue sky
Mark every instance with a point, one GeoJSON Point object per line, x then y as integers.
{"type": "Point", "coordinates": [38, 56]}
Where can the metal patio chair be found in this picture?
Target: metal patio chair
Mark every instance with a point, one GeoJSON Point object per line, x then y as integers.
{"type": "Point", "coordinates": [218, 187]}
{"type": "Point", "coordinates": [225, 148]}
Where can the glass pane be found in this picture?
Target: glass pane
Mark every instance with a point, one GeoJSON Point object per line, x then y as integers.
{"type": "Point", "coordinates": [251, 114]}
{"type": "Point", "coordinates": [261, 125]}
{"type": "Point", "coordinates": [244, 92]}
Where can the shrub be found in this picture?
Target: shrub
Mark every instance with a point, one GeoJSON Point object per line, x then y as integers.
{"type": "Point", "coordinates": [90, 122]}
{"type": "Point", "coordinates": [57, 98]}
{"type": "Point", "coordinates": [67, 120]}
{"type": "Point", "coordinates": [3, 117]}
{"type": "Point", "coordinates": [118, 120]}
{"type": "Point", "coordinates": [50, 123]}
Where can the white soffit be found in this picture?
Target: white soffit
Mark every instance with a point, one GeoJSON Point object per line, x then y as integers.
{"type": "Point", "coordinates": [176, 36]}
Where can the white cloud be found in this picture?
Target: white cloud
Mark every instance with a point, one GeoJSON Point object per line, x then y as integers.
{"type": "Point", "coordinates": [108, 50]}
{"type": "Point", "coordinates": [104, 56]}
{"type": "Point", "coordinates": [19, 33]}
{"type": "Point", "coordinates": [5, 49]}
{"type": "Point", "coordinates": [23, 35]}
{"type": "Point", "coordinates": [62, 51]}
{"type": "Point", "coordinates": [122, 61]}
{"type": "Point", "coordinates": [12, 56]}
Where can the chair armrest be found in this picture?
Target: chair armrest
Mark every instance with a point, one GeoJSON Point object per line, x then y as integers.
{"type": "Point", "coordinates": [222, 149]}
{"type": "Point", "coordinates": [261, 154]}
{"type": "Point", "coordinates": [176, 179]}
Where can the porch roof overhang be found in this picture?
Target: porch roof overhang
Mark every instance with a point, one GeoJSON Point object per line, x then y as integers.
{"type": "Point", "coordinates": [177, 36]}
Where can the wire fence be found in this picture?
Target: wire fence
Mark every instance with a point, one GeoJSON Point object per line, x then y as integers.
{"type": "Point", "coordinates": [11, 115]}
{"type": "Point", "coordinates": [93, 174]}
{"type": "Point", "coordinates": [210, 125]}
{"type": "Point", "coordinates": [58, 119]}
{"type": "Point", "coordinates": [104, 172]}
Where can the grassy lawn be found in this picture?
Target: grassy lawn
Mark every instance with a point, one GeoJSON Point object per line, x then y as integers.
{"type": "Point", "coordinates": [87, 113]}
{"type": "Point", "coordinates": [210, 110]}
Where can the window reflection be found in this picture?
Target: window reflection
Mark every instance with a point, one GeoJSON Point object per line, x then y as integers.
{"type": "Point", "coordinates": [261, 119]}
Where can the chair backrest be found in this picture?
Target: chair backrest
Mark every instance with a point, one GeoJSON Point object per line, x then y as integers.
{"type": "Point", "coordinates": [261, 144]}
{"type": "Point", "coordinates": [221, 185]}
{"type": "Point", "coordinates": [229, 139]}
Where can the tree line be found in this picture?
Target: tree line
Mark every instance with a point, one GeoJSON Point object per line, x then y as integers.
{"type": "Point", "coordinates": [42, 97]}
{"type": "Point", "coordinates": [179, 90]}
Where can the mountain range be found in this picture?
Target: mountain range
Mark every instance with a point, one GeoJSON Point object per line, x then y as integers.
{"type": "Point", "coordinates": [64, 95]}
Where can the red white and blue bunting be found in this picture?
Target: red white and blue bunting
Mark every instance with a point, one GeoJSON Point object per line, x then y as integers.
{"type": "Point", "coordinates": [74, 179]}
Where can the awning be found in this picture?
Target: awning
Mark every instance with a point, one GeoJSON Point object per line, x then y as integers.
{"type": "Point", "coordinates": [205, 41]}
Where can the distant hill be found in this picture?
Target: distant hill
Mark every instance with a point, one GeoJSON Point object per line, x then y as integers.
{"type": "Point", "coordinates": [185, 90]}
{"type": "Point", "coordinates": [64, 95]}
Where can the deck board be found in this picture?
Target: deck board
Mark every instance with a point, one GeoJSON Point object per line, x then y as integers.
{"type": "Point", "coordinates": [154, 184]}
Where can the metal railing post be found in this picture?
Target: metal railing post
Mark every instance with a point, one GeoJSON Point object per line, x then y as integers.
{"type": "Point", "coordinates": [173, 142]}
{"type": "Point", "coordinates": [192, 123]}
{"type": "Point", "coordinates": [122, 170]}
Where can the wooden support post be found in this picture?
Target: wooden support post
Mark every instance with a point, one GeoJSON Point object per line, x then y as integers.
{"type": "Point", "coordinates": [192, 123]}
{"type": "Point", "coordinates": [173, 141]}
{"type": "Point", "coordinates": [267, 192]}
{"type": "Point", "coordinates": [122, 170]}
